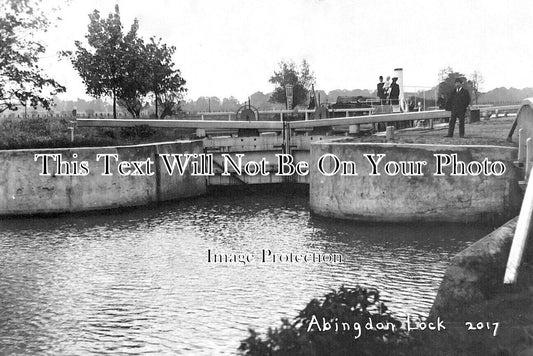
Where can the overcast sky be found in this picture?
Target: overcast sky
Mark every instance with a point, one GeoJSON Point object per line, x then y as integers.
{"type": "Point", "coordinates": [231, 47]}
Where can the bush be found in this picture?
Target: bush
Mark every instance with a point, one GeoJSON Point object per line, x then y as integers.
{"type": "Point", "coordinates": [352, 306]}
{"type": "Point", "coordinates": [135, 132]}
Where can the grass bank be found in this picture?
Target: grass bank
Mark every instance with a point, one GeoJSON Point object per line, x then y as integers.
{"type": "Point", "coordinates": [48, 132]}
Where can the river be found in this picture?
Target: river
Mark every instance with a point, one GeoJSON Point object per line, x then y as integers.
{"type": "Point", "coordinates": [137, 281]}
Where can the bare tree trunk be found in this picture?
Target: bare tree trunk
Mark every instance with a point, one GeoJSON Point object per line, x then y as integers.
{"type": "Point", "coordinates": [156, 113]}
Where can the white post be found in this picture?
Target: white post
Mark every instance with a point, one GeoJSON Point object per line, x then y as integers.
{"type": "Point", "coordinates": [200, 132]}
{"type": "Point", "coordinates": [203, 117]}
{"type": "Point", "coordinates": [354, 129]}
{"type": "Point", "coordinates": [281, 116]}
{"type": "Point", "coordinates": [389, 133]}
{"type": "Point", "coordinates": [521, 145]}
{"type": "Point", "coordinates": [523, 226]}
{"type": "Point", "coordinates": [306, 116]}
{"type": "Point", "coordinates": [398, 72]}
{"type": "Point", "coordinates": [529, 156]}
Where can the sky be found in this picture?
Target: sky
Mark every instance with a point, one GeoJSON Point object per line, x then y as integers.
{"type": "Point", "coordinates": [232, 47]}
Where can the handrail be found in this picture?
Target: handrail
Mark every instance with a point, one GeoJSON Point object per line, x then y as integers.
{"type": "Point", "coordinates": [502, 107]}
{"type": "Point", "coordinates": [523, 227]}
{"type": "Point", "coordinates": [296, 111]}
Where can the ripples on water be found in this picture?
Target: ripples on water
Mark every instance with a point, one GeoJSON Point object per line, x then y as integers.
{"type": "Point", "coordinates": [138, 281]}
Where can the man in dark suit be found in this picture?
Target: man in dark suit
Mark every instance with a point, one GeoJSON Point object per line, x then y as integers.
{"type": "Point", "coordinates": [380, 90]}
{"type": "Point", "coordinates": [394, 92]}
{"type": "Point", "coordinates": [457, 104]}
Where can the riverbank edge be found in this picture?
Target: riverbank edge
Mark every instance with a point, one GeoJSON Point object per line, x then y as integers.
{"type": "Point", "coordinates": [472, 291]}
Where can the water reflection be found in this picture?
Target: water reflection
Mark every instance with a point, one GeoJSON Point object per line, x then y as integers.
{"type": "Point", "coordinates": [138, 281]}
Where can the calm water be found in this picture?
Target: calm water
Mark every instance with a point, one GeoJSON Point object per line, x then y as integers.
{"type": "Point", "coordinates": [138, 281]}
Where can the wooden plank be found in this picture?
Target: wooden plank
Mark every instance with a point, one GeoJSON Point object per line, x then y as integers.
{"type": "Point", "coordinates": [422, 115]}
{"type": "Point", "coordinates": [192, 124]}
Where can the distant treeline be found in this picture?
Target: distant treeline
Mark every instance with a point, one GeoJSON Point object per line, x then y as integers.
{"type": "Point", "coordinates": [99, 107]}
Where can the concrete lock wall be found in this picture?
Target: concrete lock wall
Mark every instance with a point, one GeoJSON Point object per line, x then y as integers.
{"type": "Point", "coordinates": [24, 191]}
{"type": "Point", "coordinates": [414, 198]}
{"type": "Point", "coordinates": [476, 273]}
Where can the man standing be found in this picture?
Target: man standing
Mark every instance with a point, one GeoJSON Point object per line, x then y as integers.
{"type": "Point", "coordinates": [380, 90]}
{"type": "Point", "coordinates": [457, 104]}
{"type": "Point", "coordinates": [394, 92]}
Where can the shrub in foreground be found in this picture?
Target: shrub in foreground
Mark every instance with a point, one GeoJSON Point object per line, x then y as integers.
{"type": "Point", "coordinates": [349, 321]}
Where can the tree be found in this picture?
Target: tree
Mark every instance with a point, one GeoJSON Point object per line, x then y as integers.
{"type": "Point", "coordinates": [165, 82]}
{"type": "Point", "coordinates": [170, 102]}
{"type": "Point", "coordinates": [288, 73]}
{"type": "Point", "coordinates": [100, 66]}
{"type": "Point", "coordinates": [21, 79]}
{"type": "Point", "coordinates": [447, 77]}
{"type": "Point", "coordinates": [125, 68]}
{"type": "Point", "coordinates": [135, 83]}
{"type": "Point", "coordinates": [477, 81]}
{"type": "Point", "coordinates": [230, 104]}
{"type": "Point", "coordinates": [113, 64]}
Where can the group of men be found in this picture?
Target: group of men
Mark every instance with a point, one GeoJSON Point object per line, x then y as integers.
{"type": "Point", "coordinates": [389, 92]}
{"type": "Point", "coordinates": [457, 102]}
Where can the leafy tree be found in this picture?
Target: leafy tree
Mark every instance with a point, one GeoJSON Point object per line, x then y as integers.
{"type": "Point", "coordinates": [288, 73]}
{"type": "Point", "coordinates": [101, 65]}
{"type": "Point", "coordinates": [135, 66]}
{"type": "Point", "coordinates": [447, 77]}
{"type": "Point", "coordinates": [170, 102]}
{"type": "Point", "coordinates": [230, 104]}
{"type": "Point", "coordinates": [126, 68]}
{"type": "Point", "coordinates": [113, 64]}
{"type": "Point", "coordinates": [165, 82]}
{"type": "Point", "coordinates": [21, 79]}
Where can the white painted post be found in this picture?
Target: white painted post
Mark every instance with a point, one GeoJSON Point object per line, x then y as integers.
{"type": "Point", "coordinates": [203, 117]}
{"type": "Point", "coordinates": [354, 129]}
{"type": "Point", "coordinates": [281, 116]}
{"type": "Point", "coordinates": [200, 132]}
{"type": "Point", "coordinates": [521, 146]}
{"type": "Point", "coordinates": [389, 133]}
{"type": "Point", "coordinates": [529, 156]}
{"type": "Point", "coordinates": [229, 117]}
{"type": "Point", "coordinates": [347, 113]}
{"type": "Point", "coordinates": [306, 116]}
{"type": "Point", "coordinates": [523, 226]}
{"type": "Point", "coordinates": [71, 134]}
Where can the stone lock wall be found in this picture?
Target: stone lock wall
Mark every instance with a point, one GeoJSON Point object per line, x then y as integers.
{"type": "Point", "coordinates": [402, 198]}
{"type": "Point", "coordinates": [24, 191]}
